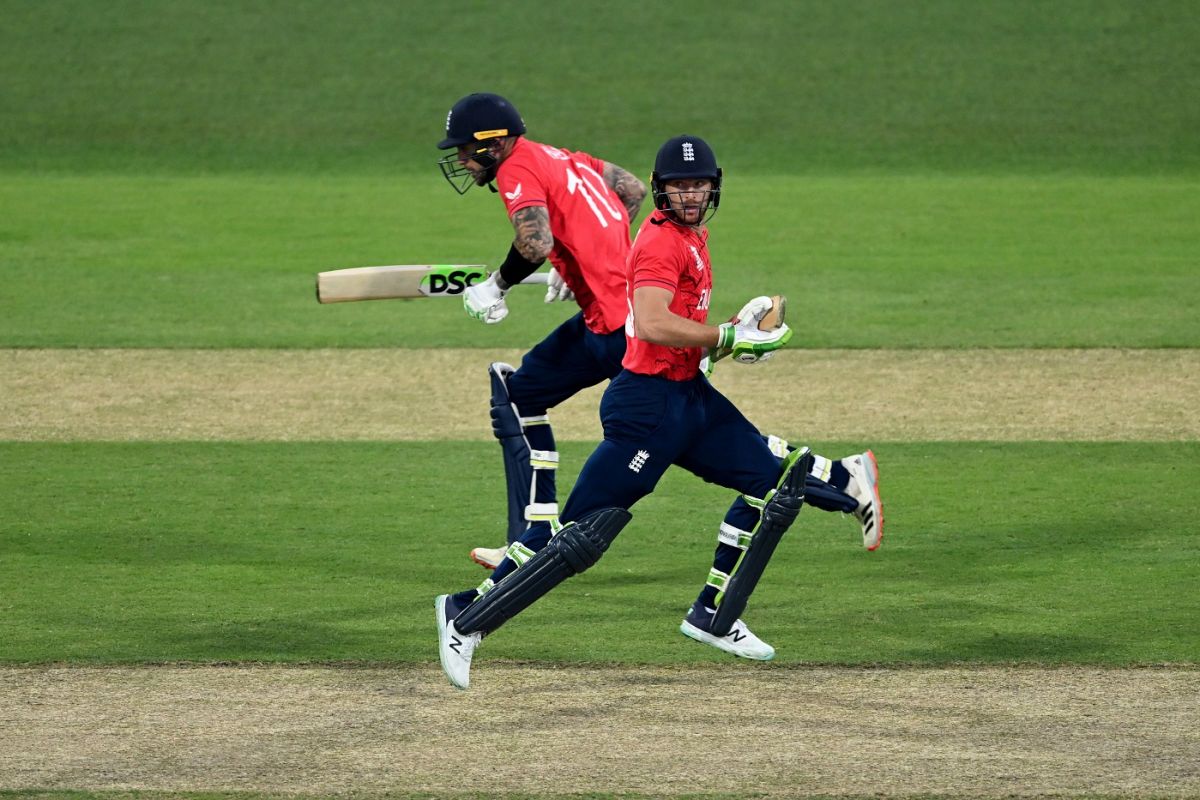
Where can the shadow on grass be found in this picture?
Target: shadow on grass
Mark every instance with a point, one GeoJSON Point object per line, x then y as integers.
{"type": "Point", "coordinates": [1036, 648]}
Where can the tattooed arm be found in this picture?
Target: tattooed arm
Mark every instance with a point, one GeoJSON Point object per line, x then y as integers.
{"type": "Point", "coordinates": [628, 188]}
{"type": "Point", "coordinates": [531, 245]}
{"type": "Point", "coordinates": [533, 239]}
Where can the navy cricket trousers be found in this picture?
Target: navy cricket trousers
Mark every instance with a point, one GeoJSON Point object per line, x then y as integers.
{"type": "Point", "coordinates": [651, 423]}
{"type": "Point", "coordinates": [570, 359]}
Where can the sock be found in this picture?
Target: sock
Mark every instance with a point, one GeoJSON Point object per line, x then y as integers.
{"type": "Point", "coordinates": [534, 539]}
{"type": "Point", "coordinates": [464, 599]}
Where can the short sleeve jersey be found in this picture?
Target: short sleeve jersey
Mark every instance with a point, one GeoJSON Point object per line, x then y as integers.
{"type": "Point", "coordinates": [672, 257]}
{"type": "Point", "coordinates": [588, 221]}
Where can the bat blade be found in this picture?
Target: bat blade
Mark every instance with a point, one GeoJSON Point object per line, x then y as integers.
{"type": "Point", "coordinates": [405, 281]}
{"type": "Point", "coordinates": [775, 316]}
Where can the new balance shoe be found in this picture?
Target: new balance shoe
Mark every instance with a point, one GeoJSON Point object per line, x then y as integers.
{"type": "Point", "coordinates": [865, 489]}
{"type": "Point", "coordinates": [454, 648]}
{"type": "Point", "coordinates": [488, 557]}
{"type": "Point", "coordinates": [740, 641]}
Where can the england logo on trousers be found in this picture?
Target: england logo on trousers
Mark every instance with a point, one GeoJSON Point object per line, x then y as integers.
{"type": "Point", "coordinates": [639, 461]}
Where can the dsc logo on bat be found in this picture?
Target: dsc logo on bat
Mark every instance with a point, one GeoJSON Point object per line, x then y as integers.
{"type": "Point", "coordinates": [451, 282]}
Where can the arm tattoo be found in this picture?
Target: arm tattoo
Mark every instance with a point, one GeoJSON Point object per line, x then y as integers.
{"type": "Point", "coordinates": [533, 240]}
{"type": "Point", "coordinates": [628, 188]}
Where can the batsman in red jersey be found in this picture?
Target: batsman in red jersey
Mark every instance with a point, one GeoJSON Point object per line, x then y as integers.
{"type": "Point", "coordinates": [661, 410]}
{"type": "Point", "coordinates": [571, 209]}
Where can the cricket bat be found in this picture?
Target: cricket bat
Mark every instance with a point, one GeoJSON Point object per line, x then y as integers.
{"type": "Point", "coordinates": [402, 281]}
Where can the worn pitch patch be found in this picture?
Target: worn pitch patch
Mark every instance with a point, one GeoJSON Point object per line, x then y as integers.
{"type": "Point", "coordinates": [396, 395]}
{"type": "Point", "coordinates": [551, 729]}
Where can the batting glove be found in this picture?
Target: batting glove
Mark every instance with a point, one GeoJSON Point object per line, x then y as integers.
{"type": "Point", "coordinates": [556, 287]}
{"type": "Point", "coordinates": [747, 344]}
{"type": "Point", "coordinates": [753, 312]}
{"type": "Point", "coordinates": [485, 301]}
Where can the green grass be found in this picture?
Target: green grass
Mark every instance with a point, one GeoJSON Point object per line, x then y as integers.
{"type": "Point", "coordinates": [909, 260]}
{"type": "Point", "coordinates": [933, 175]}
{"type": "Point", "coordinates": [1095, 85]}
{"type": "Point", "coordinates": [130, 553]}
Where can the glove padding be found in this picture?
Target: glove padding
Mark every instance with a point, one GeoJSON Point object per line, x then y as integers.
{"type": "Point", "coordinates": [749, 345]}
{"type": "Point", "coordinates": [485, 301]}
{"type": "Point", "coordinates": [742, 338]}
{"type": "Point", "coordinates": [753, 312]}
{"type": "Point", "coordinates": [556, 287]}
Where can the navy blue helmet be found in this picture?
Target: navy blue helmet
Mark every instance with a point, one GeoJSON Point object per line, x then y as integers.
{"type": "Point", "coordinates": [685, 158]}
{"type": "Point", "coordinates": [477, 119]}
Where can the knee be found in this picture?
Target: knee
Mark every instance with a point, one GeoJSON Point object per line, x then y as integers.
{"type": "Point", "coordinates": [513, 406]}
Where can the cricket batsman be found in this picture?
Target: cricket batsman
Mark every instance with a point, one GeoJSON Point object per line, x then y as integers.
{"type": "Point", "coordinates": [661, 410]}
{"type": "Point", "coordinates": [571, 209]}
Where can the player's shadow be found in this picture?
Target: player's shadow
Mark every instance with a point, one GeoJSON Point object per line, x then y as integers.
{"type": "Point", "coordinates": [1039, 648]}
{"type": "Point", "coordinates": [626, 578]}
{"type": "Point", "coordinates": [270, 639]}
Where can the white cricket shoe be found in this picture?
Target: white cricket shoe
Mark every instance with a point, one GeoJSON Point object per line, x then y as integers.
{"type": "Point", "coordinates": [740, 641]}
{"type": "Point", "coordinates": [865, 489]}
{"type": "Point", "coordinates": [455, 649]}
{"type": "Point", "coordinates": [488, 557]}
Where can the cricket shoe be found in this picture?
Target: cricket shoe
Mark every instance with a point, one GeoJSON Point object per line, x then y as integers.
{"type": "Point", "coordinates": [740, 641]}
{"type": "Point", "coordinates": [454, 648]}
{"type": "Point", "coordinates": [865, 473]}
{"type": "Point", "coordinates": [488, 557]}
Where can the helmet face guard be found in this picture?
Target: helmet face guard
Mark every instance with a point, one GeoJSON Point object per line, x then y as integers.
{"type": "Point", "coordinates": [662, 197]}
{"type": "Point", "coordinates": [685, 158]}
{"type": "Point", "coordinates": [478, 120]}
{"type": "Point", "coordinates": [455, 171]}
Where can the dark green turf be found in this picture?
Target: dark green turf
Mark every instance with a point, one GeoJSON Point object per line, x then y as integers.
{"type": "Point", "coordinates": [1020, 174]}
{"type": "Point", "coordinates": [127, 553]}
{"type": "Point", "coordinates": [1098, 85]}
{"type": "Point", "coordinates": [884, 261]}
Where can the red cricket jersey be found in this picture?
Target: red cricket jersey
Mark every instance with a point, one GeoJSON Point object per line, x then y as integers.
{"type": "Point", "coordinates": [587, 219]}
{"type": "Point", "coordinates": [672, 257]}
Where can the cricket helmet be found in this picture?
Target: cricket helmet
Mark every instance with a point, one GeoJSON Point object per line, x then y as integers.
{"type": "Point", "coordinates": [477, 119]}
{"type": "Point", "coordinates": [685, 158]}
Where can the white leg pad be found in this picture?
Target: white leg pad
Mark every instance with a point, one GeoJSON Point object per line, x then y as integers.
{"type": "Point", "coordinates": [734, 537]}
{"type": "Point", "coordinates": [541, 512]}
{"type": "Point", "coordinates": [543, 459]}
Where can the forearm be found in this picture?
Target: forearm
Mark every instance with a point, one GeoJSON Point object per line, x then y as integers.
{"type": "Point", "coordinates": [627, 187]}
{"type": "Point", "coordinates": [670, 330]}
{"type": "Point", "coordinates": [532, 243]}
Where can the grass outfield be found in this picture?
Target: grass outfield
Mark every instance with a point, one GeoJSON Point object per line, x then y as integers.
{"type": "Point", "coordinates": [896, 261]}
{"type": "Point", "coordinates": [129, 553]}
{"type": "Point", "coordinates": [1094, 85]}
{"type": "Point", "coordinates": [937, 176]}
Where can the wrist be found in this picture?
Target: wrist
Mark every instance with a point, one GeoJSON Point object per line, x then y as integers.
{"type": "Point", "coordinates": [515, 269]}
{"type": "Point", "coordinates": [725, 335]}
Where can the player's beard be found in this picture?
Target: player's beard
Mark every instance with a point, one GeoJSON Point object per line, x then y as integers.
{"type": "Point", "coordinates": [691, 215]}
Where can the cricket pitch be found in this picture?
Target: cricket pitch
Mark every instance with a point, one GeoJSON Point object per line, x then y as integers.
{"type": "Point", "coordinates": [549, 730]}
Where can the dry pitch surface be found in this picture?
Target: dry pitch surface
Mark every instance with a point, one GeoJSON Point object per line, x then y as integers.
{"type": "Point", "coordinates": [733, 728]}
{"type": "Point", "coordinates": [898, 395]}
{"type": "Point", "coordinates": [736, 729]}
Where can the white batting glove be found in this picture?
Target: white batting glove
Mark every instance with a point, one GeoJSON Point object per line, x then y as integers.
{"type": "Point", "coordinates": [485, 301]}
{"type": "Point", "coordinates": [753, 312]}
{"type": "Point", "coordinates": [747, 344]}
{"type": "Point", "coordinates": [556, 287]}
